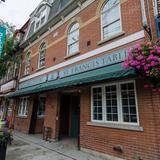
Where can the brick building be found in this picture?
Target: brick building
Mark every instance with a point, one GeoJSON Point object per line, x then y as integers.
{"type": "Point", "coordinates": [8, 83]}
{"type": "Point", "coordinates": [72, 79]}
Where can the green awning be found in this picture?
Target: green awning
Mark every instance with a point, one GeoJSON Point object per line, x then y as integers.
{"type": "Point", "coordinates": [105, 73]}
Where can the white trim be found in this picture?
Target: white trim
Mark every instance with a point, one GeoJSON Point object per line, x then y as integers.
{"type": "Point", "coordinates": [110, 46]}
{"type": "Point", "coordinates": [119, 104]}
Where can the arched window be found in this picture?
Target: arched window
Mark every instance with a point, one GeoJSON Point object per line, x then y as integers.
{"type": "Point", "coordinates": [73, 39]}
{"type": "Point", "coordinates": [42, 52]}
{"type": "Point", "coordinates": [111, 19]}
{"type": "Point", "coordinates": [27, 64]}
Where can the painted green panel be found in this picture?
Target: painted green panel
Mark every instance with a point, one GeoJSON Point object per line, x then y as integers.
{"type": "Point", "coordinates": [2, 38]}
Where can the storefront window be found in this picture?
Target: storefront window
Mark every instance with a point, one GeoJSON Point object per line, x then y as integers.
{"type": "Point", "coordinates": [97, 103]}
{"type": "Point", "coordinates": [111, 103]}
{"type": "Point", "coordinates": [41, 107]}
{"type": "Point", "coordinates": [115, 103]}
{"type": "Point", "coordinates": [23, 107]}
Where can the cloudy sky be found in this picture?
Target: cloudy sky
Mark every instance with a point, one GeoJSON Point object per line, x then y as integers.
{"type": "Point", "coordinates": [17, 12]}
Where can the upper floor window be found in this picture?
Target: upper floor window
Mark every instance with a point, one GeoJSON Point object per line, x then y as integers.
{"type": "Point", "coordinates": [40, 18]}
{"type": "Point", "coordinates": [27, 64]}
{"type": "Point", "coordinates": [73, 39]}
{"type": "Point", "coordinates": [111, 19]}
{"type": "Point", "coordinates": [115, 103]}
{"type": "Point", "coordinates": [42, 52]}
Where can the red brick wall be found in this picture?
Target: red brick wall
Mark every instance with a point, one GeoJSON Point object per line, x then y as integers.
{"type": "Point", "coordinates": [39, 125]}
{"type": "Point", "coordinates": [89, 31]}
{"type": "Point", "coordinates": [143, 143]}
{"type": "Point", "coordinates": [51, 113]}
{"type": "Point", "coordinates": [23, 123]}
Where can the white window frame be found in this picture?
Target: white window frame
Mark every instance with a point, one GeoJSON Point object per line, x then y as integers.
{"type": "Point", "coordinates": [43, 13]}
{"type": "Point", "coordinates": [20, 109]}
{"type": "Point", "coordinates": [68, 53]}
{"type": "Point", "coordinates": [119, 104]}
{"type": "Point", "coordinates": [27, 63]}
{"type": "Point", "coordinates": [39, 57]}
{"type": "Point", "coordinates": [102, 35]}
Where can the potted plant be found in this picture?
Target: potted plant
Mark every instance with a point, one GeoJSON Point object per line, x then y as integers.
{"type": "Point", "coordinates": [144, 58]}
{"type": "Point", "coordinates": [5, 138]}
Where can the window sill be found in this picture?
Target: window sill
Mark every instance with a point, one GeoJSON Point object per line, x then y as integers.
{"type": "Point", "coordinates": [39, 69]}
{"type": "Point", "coordinates": [22, 117]}
{"type": "Point", "coordinates": [40, 117]}
{"type": "Point", "coordinates": [72, 55]}
{"type": "Point", "coordinates": [117, 126]}
{"type": "Point", "coordinates": [25, 75]}
{"type": "Point", "coordinates": [111, 38]}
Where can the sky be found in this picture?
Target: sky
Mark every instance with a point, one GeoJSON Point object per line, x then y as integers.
{"type": "Point", "coordinates": [17, 12]}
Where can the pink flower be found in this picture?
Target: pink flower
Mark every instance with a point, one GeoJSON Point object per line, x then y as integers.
{"type": "Point", "coordinates": [158, 49]}
{"type": "Point", "coordinates": [138, 67]}
{"type": "Point", "coordinates": [153, 63]}
{"type": "Point", "coordinates": [125, 65]}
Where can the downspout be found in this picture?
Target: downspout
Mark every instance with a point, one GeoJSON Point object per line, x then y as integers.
{"type": "Point", "coordinates": [143, 11]}
{"type": "Point", "coordinates": [146, 27]}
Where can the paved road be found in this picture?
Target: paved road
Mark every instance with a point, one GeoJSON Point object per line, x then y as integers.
{"type": "Point", "coordinates": [27, 147]}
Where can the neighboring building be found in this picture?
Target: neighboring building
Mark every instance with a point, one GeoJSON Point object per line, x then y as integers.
{"type": "Point", "coordinates": [9, 82]}
{"type": "Point", "coordinates": [72, 79]}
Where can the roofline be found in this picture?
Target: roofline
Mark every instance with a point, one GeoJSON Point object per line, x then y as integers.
{"type": "Point", "coordinates": [51, 22]}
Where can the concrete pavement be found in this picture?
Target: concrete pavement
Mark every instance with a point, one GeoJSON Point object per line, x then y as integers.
{"type": "Point", "coordinates": [30, 147]}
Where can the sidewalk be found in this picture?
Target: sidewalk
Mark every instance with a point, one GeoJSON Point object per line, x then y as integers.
{"type": "Point", "coordinates": [30, 147]}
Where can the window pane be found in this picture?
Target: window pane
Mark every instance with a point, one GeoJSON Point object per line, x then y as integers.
{"type": "Point", "coordinates": [73, 39]}
{"type": "Point", "coordinates": [42, 20]}
{"type": "Point", "coordinates": [97, 104]}
{"type": "Point", "coordinates": [111, 29]}
{"type": "Point", "coordinates": [128, 103]}
{"type": "Point", "coordinates": [110, 16]}
{"type": "Point", "coordinates": [42, 55]}
{"type": "Point", "coordinates": [111, 103]}
{"type": "Point", "coordinates": [41, 107]}
{"type": "Point", "coordinates": [110, 4]}
{"type": "Point", "coordinates": [73, 48]}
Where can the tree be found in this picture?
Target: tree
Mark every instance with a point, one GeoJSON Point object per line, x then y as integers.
{"type": "Point", "coordinates": [10, 52]}
{"type": "Point", "coordinates": [9, 56]}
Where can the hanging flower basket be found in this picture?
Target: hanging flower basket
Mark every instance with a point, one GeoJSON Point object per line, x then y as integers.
{"type": "Point", "coordinates": [145, 60]}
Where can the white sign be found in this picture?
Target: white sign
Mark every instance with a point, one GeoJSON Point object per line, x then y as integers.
{"type": "Point", "coordinates": [8, 86]}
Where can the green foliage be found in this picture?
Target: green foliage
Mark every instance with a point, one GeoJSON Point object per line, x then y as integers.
{"type": "Point", "coordinates": [10, 55]}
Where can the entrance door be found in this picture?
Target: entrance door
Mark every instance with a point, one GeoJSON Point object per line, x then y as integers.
{"type": "Point", "coordinates": [75, 116]}
{"type": "Point", "coordinates": [70, 116]}
{"type": "Point", "coordinates": [33, 117]}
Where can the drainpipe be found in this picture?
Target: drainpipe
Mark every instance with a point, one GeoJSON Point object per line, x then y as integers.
{"type": "Point", "coordinates": [143, 11]}
{"type": "Point", "coordinates": [146, 26]}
